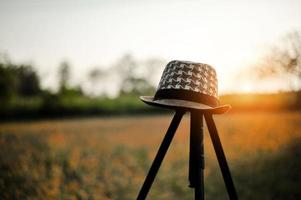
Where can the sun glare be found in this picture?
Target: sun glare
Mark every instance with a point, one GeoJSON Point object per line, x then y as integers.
{"type": "Point", "coordinates": [246, 88]}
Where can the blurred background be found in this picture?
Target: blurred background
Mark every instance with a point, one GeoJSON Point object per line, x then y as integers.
{"type": "Point", "coordinates": [71, 73]}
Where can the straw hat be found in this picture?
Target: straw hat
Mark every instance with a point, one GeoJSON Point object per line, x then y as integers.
{"type": "Point", "coordinates": [188, 85]}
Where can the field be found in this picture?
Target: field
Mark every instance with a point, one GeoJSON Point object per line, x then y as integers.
{"type": "Point", "coordinates": [108, 158]}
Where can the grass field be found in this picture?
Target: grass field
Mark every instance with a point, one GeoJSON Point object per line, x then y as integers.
{"type": "Point", "coordinates": [108, 158]}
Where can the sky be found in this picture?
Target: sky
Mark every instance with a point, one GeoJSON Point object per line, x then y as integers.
{"type": "Point", "coordinates": [228, 35]}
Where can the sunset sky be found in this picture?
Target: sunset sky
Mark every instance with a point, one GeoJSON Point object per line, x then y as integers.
{"type": "Point", "coordinates": [229, 35]}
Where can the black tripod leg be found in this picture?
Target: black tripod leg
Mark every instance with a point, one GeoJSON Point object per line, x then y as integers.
{"type": "Point", "coordinates": [196, 155]}
{"type": "Point", "coordinates": [221, 157]}
{"type": "Point", "coordinates": [160, 155]}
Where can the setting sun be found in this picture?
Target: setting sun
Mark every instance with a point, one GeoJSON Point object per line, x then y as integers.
{"type": "Point", "coordinates": [246, 88]}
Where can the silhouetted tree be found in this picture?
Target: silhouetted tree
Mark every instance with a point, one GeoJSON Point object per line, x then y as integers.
{"type": "Point", "coordinates": [96, 77]}
{"type": "Point", "coordinates": [136, 86]}
{"type": "Point", "coordinates": [18, 80]}
{"type": "Point", "coordinates": [133, 81]}
{"type": "Point", "coordinates": [95, 74]}
{"type": "Point", "coordinates": [126, 67]}
{"type": "Point", "coordinates": [64, 76]}
{"type": "Point", "coordinates": [284, 59]}
{"type": "Point", "coordinates": [7, 82]}
{"type": "Point", "coordinates": [28, 79]}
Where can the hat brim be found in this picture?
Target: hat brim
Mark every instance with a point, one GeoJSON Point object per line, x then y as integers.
{"type": "Point", "coordinates": [178, 104]}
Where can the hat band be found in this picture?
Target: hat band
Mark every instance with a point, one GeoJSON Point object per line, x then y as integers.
{"type": "Point", "coordinates": [187, 95]}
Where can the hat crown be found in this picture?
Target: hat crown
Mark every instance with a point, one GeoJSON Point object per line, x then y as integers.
{"type": "Point", "coordinates": [189, 76]}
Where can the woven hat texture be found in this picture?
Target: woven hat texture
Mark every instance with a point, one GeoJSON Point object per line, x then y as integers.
{"type": "Point", "coordinates": [185, 75]}
{"type": "Point", "coordinates": [186, 84]}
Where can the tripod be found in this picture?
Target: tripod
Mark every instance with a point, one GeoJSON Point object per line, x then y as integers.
{"type": "Point", "coordinates": [196, 154]}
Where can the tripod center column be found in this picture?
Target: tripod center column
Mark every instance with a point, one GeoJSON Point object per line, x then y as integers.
{"type": "Point", "coordinates": [196, 154]}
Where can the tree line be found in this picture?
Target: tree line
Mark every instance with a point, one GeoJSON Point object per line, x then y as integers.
{"type": "Point", "coordinates": [21, 93]}
{"type": "Point", "coordinates": [23, 96]}
{"type": "Point", "coordinates": [22, 80]}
